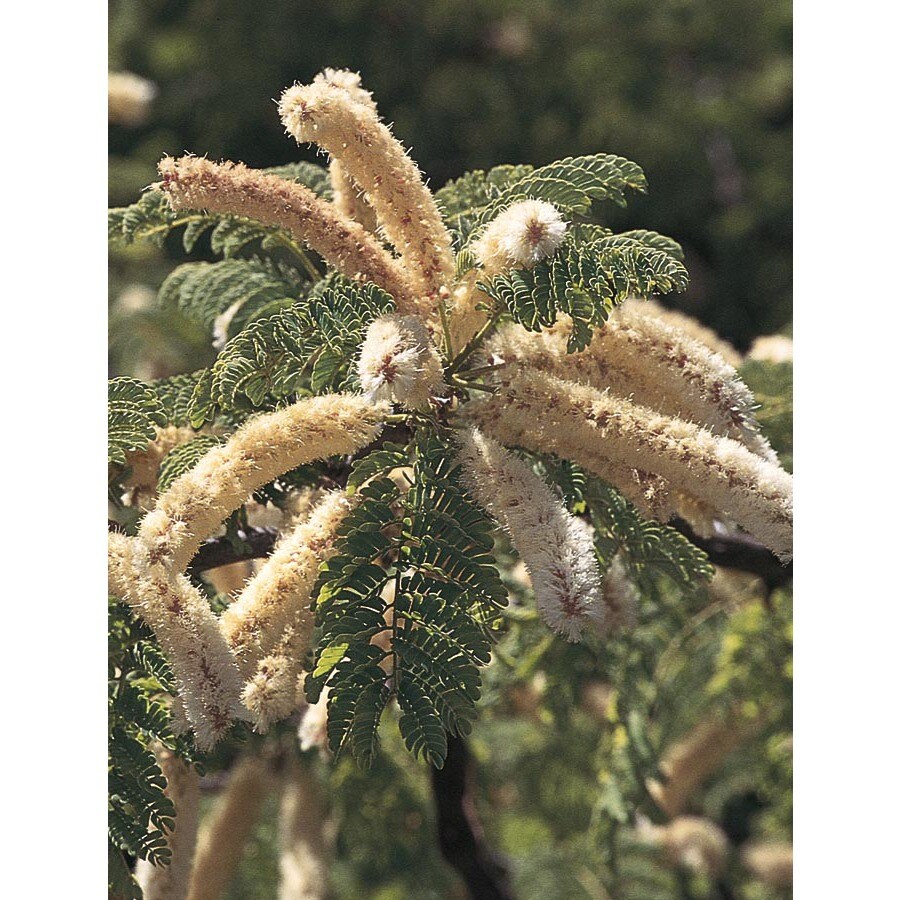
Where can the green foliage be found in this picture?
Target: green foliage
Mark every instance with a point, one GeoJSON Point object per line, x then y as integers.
{"type": "Point", "coordinates": [153, 219]}
{"type": "Point", "coordinates": [434, 545]}
{"type": "Point", "coordinates": [570, 184]}
{"type": "Point", "coordinates": [243, 289]}
{"type": "Point", "coordinates": [773, 387]}
{"type": "Point", "coordinates": [184, 457]}
{"type": "Point", "coordinates": [302, 348]}
{"type": "Point", "coordinates": [650, 548]}
{"type": "Point", "coordinates": [140, 814]}
{"type": "Point", "coordinates": [133, 411]}
{"type": "Point", "coordinates": [175, 395]}
{"type": "Point", "coordinates": [587, 280]}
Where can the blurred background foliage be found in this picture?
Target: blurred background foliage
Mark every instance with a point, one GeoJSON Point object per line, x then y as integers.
{"type": "Point", "coordinates": [698, 93]}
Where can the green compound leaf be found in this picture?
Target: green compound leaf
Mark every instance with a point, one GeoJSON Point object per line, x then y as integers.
{"type": "Point", "coordinates": [133, 413]}
{"type": "Point", "coordinates": [406, 605]}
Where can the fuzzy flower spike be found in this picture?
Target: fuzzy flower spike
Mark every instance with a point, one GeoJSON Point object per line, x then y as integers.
{"type": "Point", "coordinates": [555, 547]}
{"type": "Point", "coordinates": [348, 196]}
{"type": "Point", "coordinates": [327, 115]}
{"type": "Point", "coordinates": [546, 414]}
{"type": "Point", "coordinates": [233, 189]}
{"type": "Point", "coordinates": [264, 447]}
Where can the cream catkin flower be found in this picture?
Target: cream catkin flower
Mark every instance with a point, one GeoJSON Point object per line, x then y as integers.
{"type": "Point", "coordinates": [129, 98]}
{"type": "Point", "coordinates": [556, 548]}
{"type": "Point", "coordinates": [688, 763]}
{"type": "Point", "coordinates": [773, 348]}
{"type": "Point", "coordinates": [205, 671]}
{"type": "Point", "coordinates": [348, 196]}
{"type": "Point", "coordinates": [183, 789]}
{"type": "Point", "coordinates": [640, 356]}
{"type": "Point", "coordinates": [278, 596]}
{"type": "Point", "coordinates": [313, 729]}
{"type": "Point", "coordinates": [520, 237]}
{"type": "Point", "coordinates": [270, 625]}
{"type": "Point", "coordinates": [575, 421]}
{"type": "Point", "coordinates": [697, 330]}
{"type": "Point", "coordinates": [228, 825]}
{"type": "Point", "coordinates": [399, 363]}
{"type": "Point", "coordinates": [351, 132]}
{"type": "Point", "coordinates": [233, 189]}
{"type": "Point", "coordinates": [263, 448]}
{"type": "Point", "coordinates": [191, 509]}
{"type": "Point", "coordinates": [772, 863]}
{"type": "Point", "coordinates": [303, 845]}
{"type": "Point", "coordinates": [690, 841]}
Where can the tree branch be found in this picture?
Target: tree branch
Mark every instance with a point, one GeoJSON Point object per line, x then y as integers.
{"type": "Point", "coordinates": [740, 551]}
{"type": "Point", "coordinates": [460, 834]}
{"type": "Point", "coordinates": [220, 551]}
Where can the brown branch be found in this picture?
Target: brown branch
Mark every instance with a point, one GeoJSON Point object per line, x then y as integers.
{"type": "Point", "coordinates": [460, 833]}
{"type": "Point", "coordinates": [740, 551]}
{"type": "Point", "coordinates": [255, 543]}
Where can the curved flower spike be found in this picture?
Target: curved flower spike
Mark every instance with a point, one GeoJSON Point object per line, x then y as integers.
{"type": "Point", "coordinates": [348, 196]}
{"type": "Point", "coordinates": [233, 189]}
{"type": "Point", "coordinates": [225, 831]}
{"type": "Point", "coordinates": [350, 131]}
{"type": "Point", "coordinates": [547, 415]}
{"type": "Point", "coordinates": [265, 447]}
{"type": "Point", "coordinates": [269, 627]}
{"type": "Point", "coordinates": [639, 355]}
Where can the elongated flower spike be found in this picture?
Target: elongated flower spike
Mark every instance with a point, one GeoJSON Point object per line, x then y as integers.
{"type": "Point", "coordinates": [303, 861]}
{"type": "Point", "coordinates": [351, 132]}
{"type": "Point", "coordinates": [638, 355]}
{"type": "Point", "coordinates": [265, 447]}
{"type": "Point", "coordinates": [232, 189]}
{"type": "Point", "coordinates": [556, 548]}
{"type": "Point", "coordinates": [348, 196]}
{"type": "Point", "coordinates": [183, 789]}
{"type": "Point", "coordinates": [205, 671]}
{"type": "Point", "coordinates": [398, 362]}
{"type": "Point", "coordinates": [270, 625]}
{"type": "Point", "coordinates": [545, 414]}
{"type": "Point", "coordinates": [692, 328]}
{"type": "Point", "coordinates": [229, 824]}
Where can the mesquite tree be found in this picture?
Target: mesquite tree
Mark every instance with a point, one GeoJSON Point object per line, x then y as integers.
{"type": "Point", "coordinates": [438, 422]}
